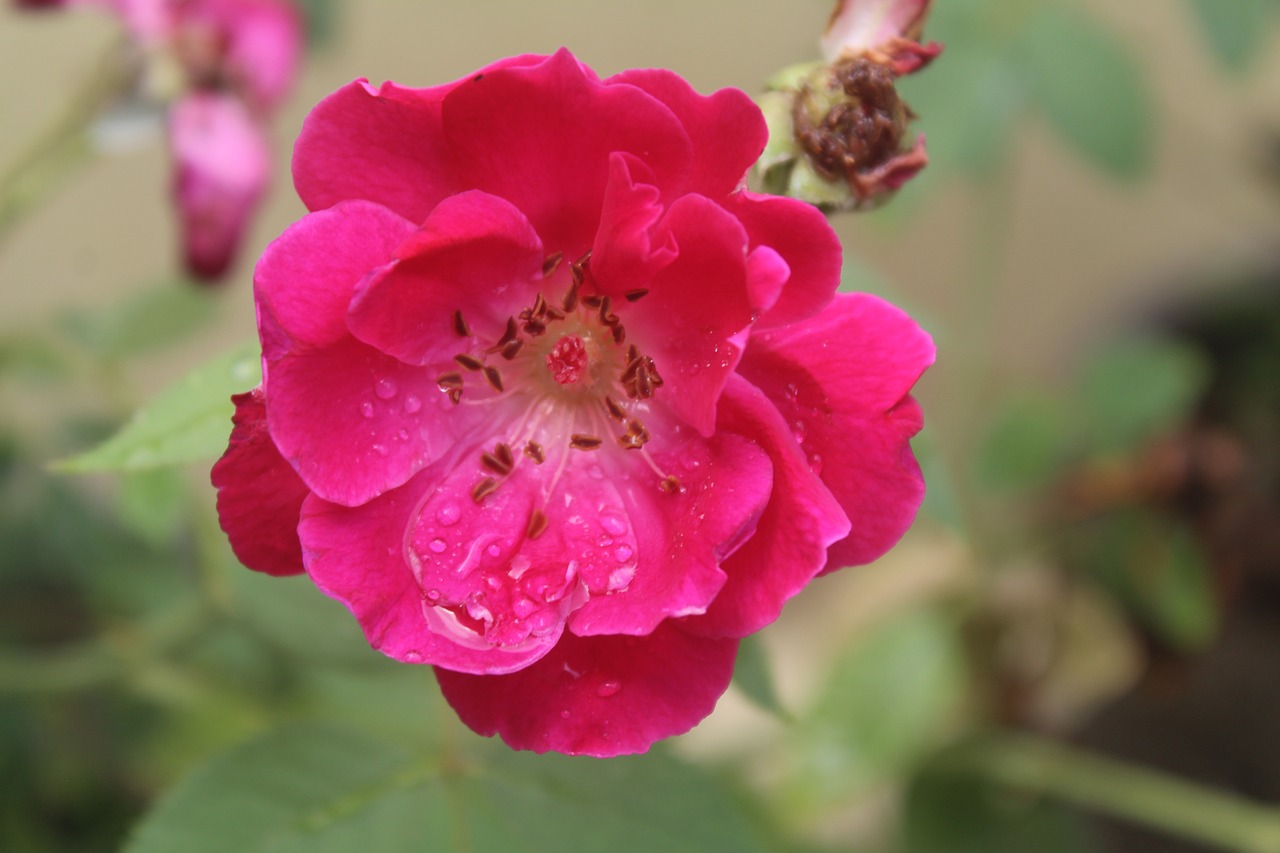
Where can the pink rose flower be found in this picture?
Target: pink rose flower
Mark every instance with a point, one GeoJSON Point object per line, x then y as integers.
{"type": "Point", "coordinates": [552, 403]}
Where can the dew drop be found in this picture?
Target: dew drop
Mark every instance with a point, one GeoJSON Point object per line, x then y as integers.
{"type": "Point", "coordinates": [607, 689]}
{"type": "Point", "coordinates": [604, 541]}
{"type": "Point", "coordinates": [385, 388]}
{"type": "Point", "coordinates": [622, 553]}
{"type": "Point", "coordinates": [620, 579]}
{"type": "Point", "coordinates": [413, 657]}
{"type": "Point", "coordinates": [366, 409]}
{"type": "Point", "coordinates": [448, 514]}
{"type": "Point", "coordinates": [433, 595]}
{"type": "Point", "coordinates": [412, 404]}
{"type": "Point", "coordinates": [437, 546]}
{"type": "Point", "coordinates": [564, 715]}
{"type": "Point", "coordinates": [380, 449]}
{"type": "Point", "coordinates": [792, 391]}
{"type": "Point", "coordinates": [524, 608]}
{"type": "Point", "coordinates": [493, 550]}
{"type": "Point", "coordinates": [613, 523]}
{"type": "Point", "coordinates": [403, 435]}
{"type": "Point", "coordinates": [815, 462]}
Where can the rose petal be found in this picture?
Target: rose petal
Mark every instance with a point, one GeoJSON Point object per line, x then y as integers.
{"type": "Point", "coordinates": [600, 696]}
{"type": "Point", "coordinates": [259, 494]}
{"type": "Point", "coordinates": [841, 380]}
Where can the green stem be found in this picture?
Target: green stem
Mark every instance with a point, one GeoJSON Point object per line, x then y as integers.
{"type": "Point", "coordinates": [53, 156]}
{"type": "Point", "coordinates": [1126, 791]}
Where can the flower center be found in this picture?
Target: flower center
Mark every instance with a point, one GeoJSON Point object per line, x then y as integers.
{"type": "Point", "coordinates": [567, 360]}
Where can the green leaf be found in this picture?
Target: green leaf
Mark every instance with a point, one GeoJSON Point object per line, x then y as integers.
{"type": "Point", "coordinates": [319, 789]}
{"type": "Point", "coordinates": [165, 314]}
{"type": "Point", "coordinates": [187, 422]}
{"type": "Point", "coordinates": [1091, 89]}
{"type": "Point", "coordinates": [754, 677]}
{"type": "Point", "coordinates": [151, 503]}
{"type": "Point", "coordinates": [1236, 30]}
{"type": "Point", "coordinates": [1140, 387]}
{"type": "Point", "coordinates": [1026, 442]}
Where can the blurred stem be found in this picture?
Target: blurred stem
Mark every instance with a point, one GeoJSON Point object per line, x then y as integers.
{"type": "Point", "coordinates": [108, 658]}
{"type": "Point", "coordinates": [54, 155]}
{"type": "Point", "coordinates": [1126, 791]}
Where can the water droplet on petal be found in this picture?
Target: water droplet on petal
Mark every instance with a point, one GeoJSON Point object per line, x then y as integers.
{"type": "Point", "coordinates": [613, 523]}
{"type": "Point", "coordinates": [413, 657]}
{"type": "Point", "coordinates": [448, 514]}
{"type": "Point", "coordinates": [493, 550]}
{"type": "Point", "coordinates": [403, 435]}
{"type": "Point", "coordinates": [791, 391]}
{"type": "Point", "coordinates": [412, 404]}
{"type": "Point", "coordinates": [433, 595]}
{"type": "Point", "coordinates": [380, 449]}
{"type": "Point", "coordinates": [524, 608]}
{"type": "Point", "coordinates": [437, 545]}
{"type": "Point", "coordinates": [620, 579]}
{"type": "Point", "coordinates": [366, 409]}
{"type": "Point", "coordinates": [622, 553]}
{"type": "Point", "coordinates": [607, 689]}
{"type": "Point", "coordinates": [564, 715]}
{"type": "Point", "coordinates": [604, 541]}
{"type": "Point", "coordinates": [385, 388]}
{"type": "Point", "coordinates": [815, 462]}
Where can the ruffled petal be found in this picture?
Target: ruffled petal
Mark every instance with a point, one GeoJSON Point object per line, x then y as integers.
{"type": "Point", "coordinates": [259, 494]}
{"type": "Point", "coordinates": [304, 282]}
{"type": "Point", "coordinates": [726, 128]}
{"type": "Point", "coordinates": [841, 380]}
{"type": "Point", "coordinates": [627, 253]}
{"type": "Point", "coordinates": [600, 696]}
{"type": "Point", "coordinates": [801, 235]}
{"type": "Point", "coordinates": [541, 135]}
{"type": "Point", "coordinates": [789, 546]}
{"type": "Point", "coordinates": [472, 246]}
{"type": "Point", "coordinates": [684, 534]}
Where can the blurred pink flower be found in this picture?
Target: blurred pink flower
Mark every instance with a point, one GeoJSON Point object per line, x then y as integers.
{"type": "Point", "coordinates": [885, 31]}
{"type": "Point", "coordinates": [553, 403]}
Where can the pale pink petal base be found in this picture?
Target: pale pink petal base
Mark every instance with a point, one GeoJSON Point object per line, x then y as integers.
{"type": "Point", "coordinates": [600, 696]}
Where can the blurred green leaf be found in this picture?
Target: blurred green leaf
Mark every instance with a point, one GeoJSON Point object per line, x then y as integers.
{"type": "Point", "coordinates": [322, 18]}
{"type": "Point", "coordinates": [144, 321]}
{"type": "Point", "coordinates": [1025, 442]}
{"type": "Point", "coordinates": [1091, 88]}
{"type": "Point", "coordinates": [152, 504]}
{"type": "Point", "coordinates": [1156, 568]}
{"type": "Point", "coordinates": [887, 705]}
{"type": "Point", "coordinates": [187, 422]}
{"type": "Point", "coordinates": [320, 789]}
{"type": "Point", "coordinates": [948, 810]}
{"type": "Point", "coordinates": [31, 357]}
{"type": "Point", "coordinates": [754, 677]}
{"type": "Point", "coordinates": [294, 616]}
{"type": "Point", "coordinates": [1236, 30]}
{"type": "Point", "coordinates": [1140, 387]}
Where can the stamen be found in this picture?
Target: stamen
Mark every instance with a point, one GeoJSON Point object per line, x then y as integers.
{"type": "Point", "coordinates": [494, 378]}
{"type": "Point", "coordinates": [635, 437]}
{"type": "Point", "coordinates": [619, 333]}
{"type": "Point", "coordinates": [537, 524]}
{"type": "Point", "coordinates": [615, 409]}
{"type": "Point", "coordinates": [455, 395]}
{"type": "Point", "coordinates": [496, 465]}
{"type": "Point", "coordinates": [447, 381]}
{"type": "Point", "coordinates": [502, 450]}
{"type": "Point", "coordinates": [635, 295]}
{"type": "Point", "coordinates": [605, 317]}
{"type": "Point", "coordinates": [593, 301]}
{"type": "Point", "coordinates": [483, 489]}
{"type": "Point", "coordinates": [571, 298]}
{"type": "Point", "coordinates": [580, 441]}
{"type": "Point", "coordinates": [535, 452]}
{"type": "Point", "coordinates": [470, 362]}
{"type": "Point", "coordinates": [511, 333]}
{"type": "Point", "coordinates": [671, 485]}
{"type": "Point", "coordinates": [460, 325]}
{"type": "Point", "coordinates": [551, 264]}
{"type": "Point", "coordinates": [510, 348]}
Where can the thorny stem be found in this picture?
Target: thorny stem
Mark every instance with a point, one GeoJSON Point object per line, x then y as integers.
{"type": "Point", "coordinates": [1123, 790]}
{"type": "Point", "coordinates": [53, 156]}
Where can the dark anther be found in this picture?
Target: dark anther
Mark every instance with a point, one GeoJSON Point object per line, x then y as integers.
{"type": "Point", "coordinates": [455, 395]}
{"type": "Point", "coordinates": [460, 325]}
{"type": "Point", "coordinates": [579, 441]}
{"type": "Point", "coordinates": [551, 264]}
{"type": "Point", "coordinates": [512, 332]}
{"type": "Point", "coordinates": [593, 301]}
{"type": "Point", "coordinates": [554, 313]}
{"type": "Point", "coordinates": [635, 295]}
{"type": "Point", "coordinates": [571, 298]}
{"type": "Point", "coordinates": [615, 409]}
{"type": "Point", "coordinates": [495, 378]}
{"type": "Point", "coordinates": [535, 452]}
{"type": "Point", "coordinates": [535, 328]}
{"type": "Point", "coordinates": [496, 465]}
{"type": "Point", "coordinates": [619, 333]}
{"type": "Point", "coordinates": [510, 348]}
{"type": "Point", "coordinates": [537, 524]}
{"type": "Point", "coordinates": [470, 362]}
{"type": "Point", "coordinates": [449, 380]}
{"type": "Point", "coordinates": [483, 489]}
{"type": "Point", "coordinates": [670, 485]}
{"type": "Point", "coordinates": [503, 452]}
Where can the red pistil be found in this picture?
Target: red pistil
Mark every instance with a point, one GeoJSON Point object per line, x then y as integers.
{"type": "Point", "coordinates": [567, 360]}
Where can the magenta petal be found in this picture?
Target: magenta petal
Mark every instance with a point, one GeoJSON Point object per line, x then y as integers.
{"type": "Point", "coordinates": [382, 144]}
{"type": "Point", "coordinates": [789, 546]}
{"type": "Point", "coordinates": [683, 536]}
{"type": "Point", "coordinates": [355, 422]}
{"type": "Point", "coordinates": [471, 245]}
{"type": "Point", "coordinates": [259, 494]}
{"type": "Point", "coordinates": [541, 135]}
{"type": "Point", "coordinates": [264, 43]}
{"type": "Point", "coordinates": [726, 127]}
{"type": "Point", "coordinates": [801, 235]}
{"type": "Point", "coordinates": [600, 696]}
{"type": "Point", "coordinates": [842, 381]}
{"type": "Point", "coordinates": [305, 280]}
{"type": "Point", "coordinates": [623, 257]}
{"type": "Point", "coordinates": [347, 556]}
{"type": "Point", "coordinates": [220, 172]}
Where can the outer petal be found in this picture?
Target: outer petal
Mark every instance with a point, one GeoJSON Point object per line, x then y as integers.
{"type": "Point", "coordinates": [363, 558]}
{"type": "Point", "coordinates": [726, 128]}
{"type": "Point", "coordinates": [857, 26]}
{"type": "Point", "coordinates": [600, 696]}
{"type": "Point", "coordinates": [541, 137]}
{"type": "Point", "coordinates": [790, 544]}
{"type": "Point", "coordinates": [683, 537]}
{"type": "Point", "coordinates": [305, 280]}
{"type": "Point", "coordinates": [220, 173]}
{"type": "Point", "coordinates": [801, 235]}
{"type": "Point", "coordinates": [841, 380]}
{"type": "Point", "coordinates": [472, 246]}
{"type": "Point", "coordinates": [694, 321]}
{"type": "Point", "coordinates": [259, 494]}
{"type": "Point", "coordinates": [262, 40]}
{"type": "Point", "coordinates": [627, 252]}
